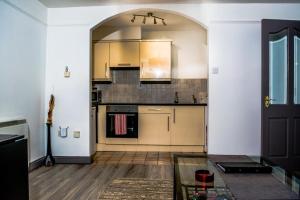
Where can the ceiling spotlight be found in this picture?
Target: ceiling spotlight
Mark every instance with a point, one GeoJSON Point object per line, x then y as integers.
{"type": "Point", "coordinates": [164, 23]}
{"type": "Point", "coordinates": [155, 22]}
{"type": "Point", "coordinates": [132, 20]}
{"type": "Point", "coordinates": [144, 20]}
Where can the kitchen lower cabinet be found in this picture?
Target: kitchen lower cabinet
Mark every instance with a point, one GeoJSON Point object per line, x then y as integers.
{"type": "Point", "coordinates": [172, 125]}
{"type": "Point", "coordinates": [188, 125]}
{"type": "Point", "coordinates": [154, 125]}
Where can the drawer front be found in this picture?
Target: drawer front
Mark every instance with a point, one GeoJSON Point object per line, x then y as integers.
{"type": "Point", "coordinates": [155, 109]}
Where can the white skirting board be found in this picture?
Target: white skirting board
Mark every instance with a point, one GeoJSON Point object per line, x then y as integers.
{"type": "Point", "coordinates": [159, 148]}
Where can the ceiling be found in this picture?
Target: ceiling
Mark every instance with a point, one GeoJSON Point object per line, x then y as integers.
{"type": "Point", "coordinates": [79, 3]}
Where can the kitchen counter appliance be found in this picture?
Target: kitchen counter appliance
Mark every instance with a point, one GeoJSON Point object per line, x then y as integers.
{"type": "Point", "coordinates": [130, 112]}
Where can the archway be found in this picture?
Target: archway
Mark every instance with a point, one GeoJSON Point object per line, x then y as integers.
{"type": "Point", "coordinates": [185, 64]}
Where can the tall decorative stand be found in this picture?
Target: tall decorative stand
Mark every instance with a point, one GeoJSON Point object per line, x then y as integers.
{"type": "Point", "coordinates": [49, 159]}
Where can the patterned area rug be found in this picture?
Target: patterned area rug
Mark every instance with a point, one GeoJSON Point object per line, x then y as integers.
{"type": "Point", "coordinates": [138, 189]}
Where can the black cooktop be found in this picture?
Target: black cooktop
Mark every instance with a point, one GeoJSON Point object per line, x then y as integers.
{"type": "Point", "coordinates": [6, 138]}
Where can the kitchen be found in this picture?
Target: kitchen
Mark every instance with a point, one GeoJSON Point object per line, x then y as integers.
{"type": "Point", "coordinates": [150, 66]}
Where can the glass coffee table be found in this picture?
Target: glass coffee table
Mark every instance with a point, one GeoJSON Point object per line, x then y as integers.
{"type": "Point", "coordinates": [187, 188]}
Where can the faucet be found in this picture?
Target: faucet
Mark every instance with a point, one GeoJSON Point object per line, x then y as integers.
{"type": "Point", "coordinates": [194, 99]}
{"type": "Point", "coordinates": [176, 100]}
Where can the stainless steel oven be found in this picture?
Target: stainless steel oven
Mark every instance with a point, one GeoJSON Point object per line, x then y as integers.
{"type": "Point", "coordinates": [122, 121]}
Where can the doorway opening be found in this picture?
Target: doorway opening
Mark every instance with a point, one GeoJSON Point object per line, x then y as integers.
{"type": "Point", "coordinates": [123, 74]}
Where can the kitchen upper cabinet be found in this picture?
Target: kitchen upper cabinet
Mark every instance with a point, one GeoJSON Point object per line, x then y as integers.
{"type": "Point", "coordinates": [188, 125]}
{"type": "Point", "coordinates": [154, 125]}
{"type": "Point", "coordinates": [155, 60]}
{"type": "Point", "coordinates": [101, 70]}
{"type": "Point", "coordinates": [125, 54]}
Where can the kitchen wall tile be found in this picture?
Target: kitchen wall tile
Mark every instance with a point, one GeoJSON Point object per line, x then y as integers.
{"type": "Point", "coordinates": [126, 88]}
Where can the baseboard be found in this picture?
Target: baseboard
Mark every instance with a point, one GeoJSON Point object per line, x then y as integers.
{"type": "Point", "coordinates": [36, 164]}
{"type": "Point", "coordinates": [159, 148]}
{"type": "Point", "coordinates": [73, 159]}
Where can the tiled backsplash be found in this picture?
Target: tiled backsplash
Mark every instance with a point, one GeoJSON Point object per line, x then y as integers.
{"type": "Point", "coordinates": [126, 88]}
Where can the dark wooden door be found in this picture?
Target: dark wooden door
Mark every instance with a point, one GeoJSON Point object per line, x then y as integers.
{"type": "Point", "coordinates": [281, 93]}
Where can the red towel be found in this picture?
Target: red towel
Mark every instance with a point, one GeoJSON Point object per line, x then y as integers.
{"type": "Point", "coordinates": [120, 124]}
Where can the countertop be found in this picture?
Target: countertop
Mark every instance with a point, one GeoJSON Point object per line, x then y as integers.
{"type": "Point", "coordinates": [157, 104]}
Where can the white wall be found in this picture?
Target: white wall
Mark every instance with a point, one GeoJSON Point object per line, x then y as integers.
{"type": "Point", "coordinates": [22, 67]}
{"type": "Point", "coordinates": [234, 93]}
{"type": "Point", "coordinates": [69, 46]}
{"type": "Point", "coordinates": [234, 47]}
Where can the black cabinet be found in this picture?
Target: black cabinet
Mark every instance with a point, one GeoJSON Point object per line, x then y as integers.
{"type": "Point", "coordinates": [13, 168]}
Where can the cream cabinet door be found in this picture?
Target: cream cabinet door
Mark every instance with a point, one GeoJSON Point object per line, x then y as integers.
{"type": "Point", "coordinates": [101, 61]}
{"type": "Point", "coordinates": [155, 60]}
{"type": "Point", "coordinates": [124, 54]}
{"type": "Point", "coordinates": [101, 124]}
{"type": "Point", "coordinates": [188, 125]}
{"type": "Point", "coordinates": [155, 125]}
{"type": "Point", "coordinates": [154, 128]}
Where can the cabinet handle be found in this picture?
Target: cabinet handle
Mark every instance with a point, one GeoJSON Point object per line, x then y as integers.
{"type": "Point", "coordinates": [124, 64]}
{"type": "Point", "coordinates": [154, 109]}
{"type": "Point", "coordinates": [106, 70]}
{"type": "Point", "coordinates": [142, 70]}
{"type": "Point", "coordinates": [168, 123]}
{"type": "Point", "coordinates": [174, 115]}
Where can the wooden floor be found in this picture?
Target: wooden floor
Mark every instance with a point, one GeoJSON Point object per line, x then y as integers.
{"type": "Point", "coordinates": [74, 181]}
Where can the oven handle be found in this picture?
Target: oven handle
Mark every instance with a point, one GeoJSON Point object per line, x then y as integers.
{"type": "Point", "coordinates": [127, 115]}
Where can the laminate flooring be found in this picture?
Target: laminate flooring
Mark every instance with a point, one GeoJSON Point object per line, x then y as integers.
{"type": "Point", "coordinates": [85, 182]}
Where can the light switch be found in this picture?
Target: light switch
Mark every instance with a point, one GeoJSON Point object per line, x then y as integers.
{"type": "Point", "coordinates": [215, 70]}
{"type": "Point", "coordinates": [76, 134]}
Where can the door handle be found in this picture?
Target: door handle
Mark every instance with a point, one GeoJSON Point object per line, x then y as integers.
{"type": "Point", "coordinates": [267, 101]}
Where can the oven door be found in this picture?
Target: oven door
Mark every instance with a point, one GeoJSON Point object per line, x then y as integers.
{"type": "Point", "coordinates": [131, 125]}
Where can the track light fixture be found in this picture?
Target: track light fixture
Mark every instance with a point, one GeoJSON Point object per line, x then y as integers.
{"type": "Point", "coordinates": [149, 15]}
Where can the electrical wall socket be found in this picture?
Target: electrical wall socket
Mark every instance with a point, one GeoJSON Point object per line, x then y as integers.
{"type": "Point", "coordinates": [76, 134]}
